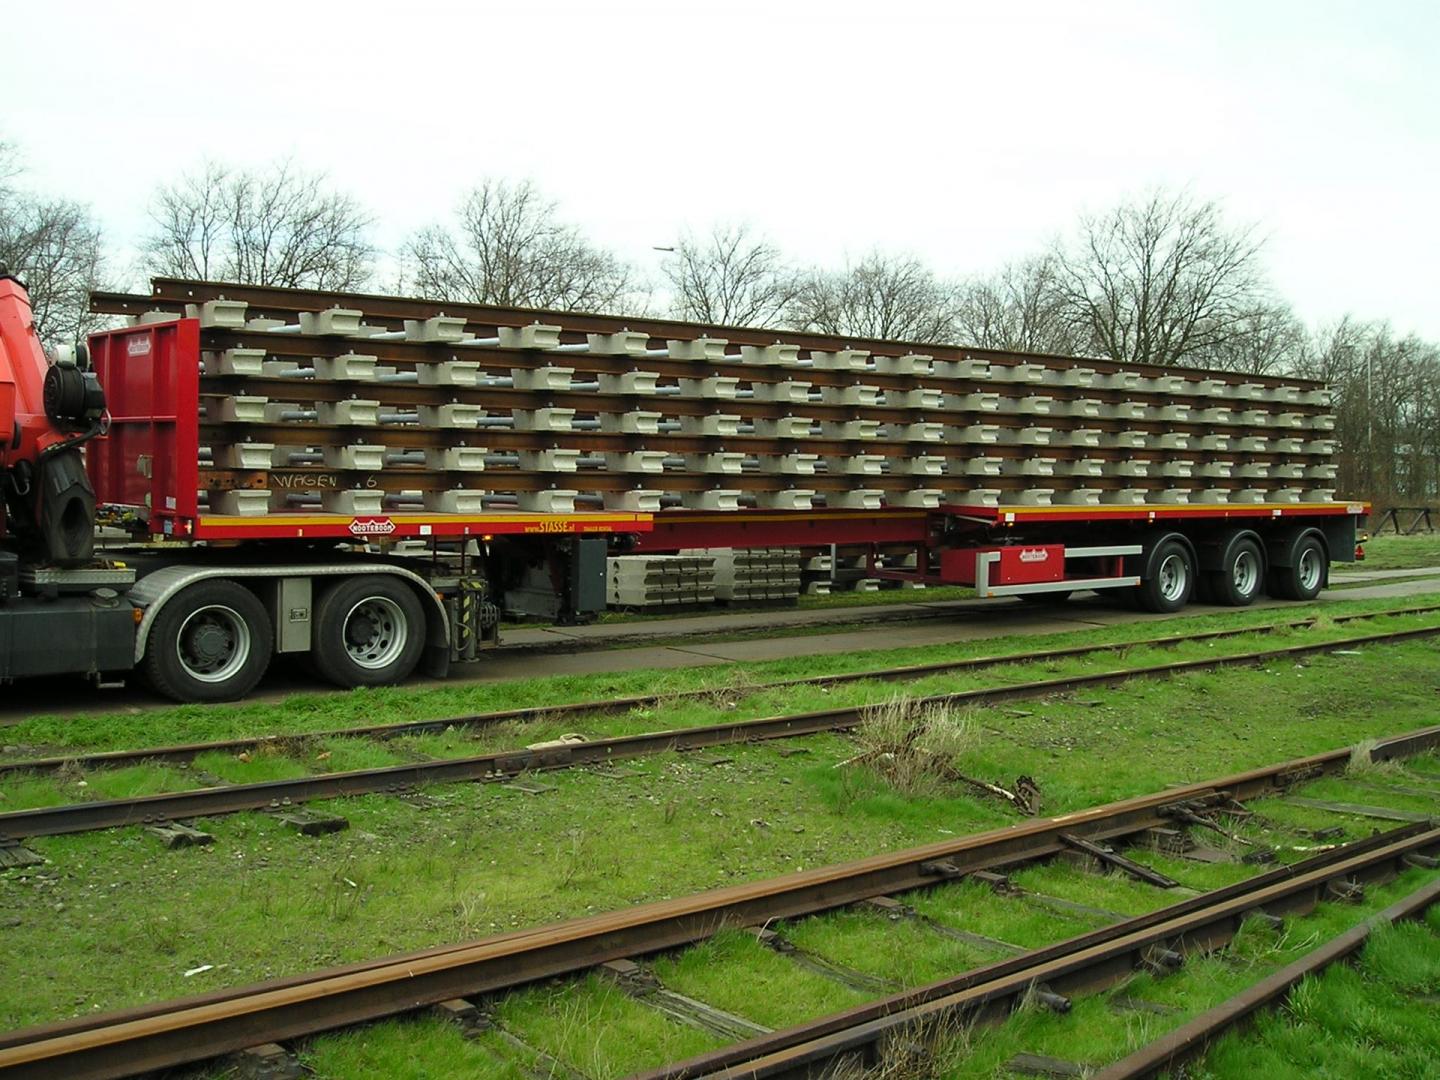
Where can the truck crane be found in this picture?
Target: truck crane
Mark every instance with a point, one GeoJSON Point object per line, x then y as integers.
{"type": "Point", "coordinates": [48, 411]}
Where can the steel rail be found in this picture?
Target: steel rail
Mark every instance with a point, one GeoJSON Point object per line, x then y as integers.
{"type": "Point", "coordinates": [1110, 820]}
{"type": "Point", "coordinates": [210, 802]}
{"type": "Point", "coordinates": [189, 1030]}
{"type": "Point", "coordinates": [501, 361]}
{"type": "Point", "coordinates": [1190, 1039]}
{"type": "Point", "coordinates": [189, 751]}
{"type": "Point", "coordinates": [1089, 962]}
{"type": "Point", "coordinates": [175, 293]}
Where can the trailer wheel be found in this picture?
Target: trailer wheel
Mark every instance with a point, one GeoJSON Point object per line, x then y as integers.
{"type": "Point", "coordinates": [1172, 580]}
{"type": "Point", "coordinates": [369, 631]}
{"type": "Point", "coordinates": [1241, 576]}
{"type": "Point", "coordinates": [1305, 576]}
{"type": "Point", "coordinates": [211, 642]}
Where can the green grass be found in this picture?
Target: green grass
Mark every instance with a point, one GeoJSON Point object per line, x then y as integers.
{"type": "Point", "coordinates": [1364, 1020]}
{"type": "Point", "coordinates": [1391, 552]}
{"type": "Point", "coordinates": [263, 901]}
{"type": "Point", "coordinates": [933, 594]}
{"type": "Point", "coordinates": [1346, 1023]}
{"type": "Point", "coordinates": [414, 1049]}
{"type": "Point", "coordinates": [114, 920]}
{"type": "Point", "coordinates": [734, 972]}
{"type": "Point", "coordinates": [320, 712]}
{"type": "Point", "coordinates": [597, 1029]}
{"type": "Point", "coordinates": [903, 952]}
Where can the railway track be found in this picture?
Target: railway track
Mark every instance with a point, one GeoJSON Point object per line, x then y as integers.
{"type": "Point", "coordinates": [209, 802]}
{"type": "Point", "coordinates": [1090, 963]}
{"type": "Point", "coordinates": [1190, 1040]}
{"type": "Point", "coordinates": [189, 751]}
{"type": "Point", "coordinates": [193, 1029]}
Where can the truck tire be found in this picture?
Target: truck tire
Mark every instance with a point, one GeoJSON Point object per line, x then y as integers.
{"type": "Point", "coordinates": [211, 642]}
{"type": "Point", "coordinates": [1171, 581]}
{"type": "Point", "coordinates": [1241, 577]}
{"type": "Point", "coordinates": [369, 631]}
{"type": "Point", "coordinates": [1304, 577]}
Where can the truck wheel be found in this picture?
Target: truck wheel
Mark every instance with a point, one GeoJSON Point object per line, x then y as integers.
{"type": "Point", "coordinates": [1241, 575]}
{"type": "Point", "coordinates": [212, 642]}
{"type": "Point", "coordinates": [1169, 587]}
{"type": "Point", "coordinates": [369, 631]}
{"type": "Point", "coordinates": [1305, 576]}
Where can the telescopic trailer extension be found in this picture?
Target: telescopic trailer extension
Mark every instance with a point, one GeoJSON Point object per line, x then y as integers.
{"type": "Point", "coordinates": [243, 472]}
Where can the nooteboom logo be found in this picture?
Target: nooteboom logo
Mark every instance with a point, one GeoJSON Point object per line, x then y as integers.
{"type": "Point", "coordinates": [138, 346]}
{"type": "Point", "coordinates": [1034, 555]}
{"type": "Point", "coordinates": [372, 526]}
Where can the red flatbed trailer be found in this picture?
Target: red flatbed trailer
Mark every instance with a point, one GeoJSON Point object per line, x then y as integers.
{"type": "Point", "coordinates": [369, 595]}
{"type": "Point", "coordinates": [1100, 546]}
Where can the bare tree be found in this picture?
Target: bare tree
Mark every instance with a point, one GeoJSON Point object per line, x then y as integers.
{"type": "Point", "coordinates": [10, 167]}
{"type": "Point", "coordinates": [729, 278]}
{"type": "Point", "coordinates": [280, 227]}
{"type": "Point", "coordinates": [882, 296]}
{"type": "Point", "coordinates": [1019, 309]}
{"type": "Point", "coordinates": [1268, 340]}
{"type": "Point", "coordinates": [1160, 281]}
{"type": "Point", "coordinates": [509, 247]}
{"type": "Point", "coordinates": [1386, 399]}
{"type": "Point", "coordinates": [55, 247]}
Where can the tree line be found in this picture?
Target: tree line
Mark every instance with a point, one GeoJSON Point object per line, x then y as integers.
{"type": "Point", "coordinates": [1160, 279]}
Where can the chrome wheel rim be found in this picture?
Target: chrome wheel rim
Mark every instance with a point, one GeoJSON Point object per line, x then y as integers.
{"type": "Point", "coordinates": [1246, 573]}
{"type": "Point", "coordinates": [375, 632]}
{"type": "Point", "coordinates": [1173, 577]}
{"type": "Point", "coordinates": [1309, 570]}
{"type": "Point", "coordinates": [213, 643]}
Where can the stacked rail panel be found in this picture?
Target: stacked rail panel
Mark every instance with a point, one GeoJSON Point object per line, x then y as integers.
{"type": "Point", "coordinates": [651, 581]}
{"type": "Point", "coordinates": [750, 575]}
{"type": "Point", "coordinates": [352, 411]}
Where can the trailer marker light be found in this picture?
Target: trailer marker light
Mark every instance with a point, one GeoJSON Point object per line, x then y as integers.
{"type": "Point", "coordinates": [138, 615]}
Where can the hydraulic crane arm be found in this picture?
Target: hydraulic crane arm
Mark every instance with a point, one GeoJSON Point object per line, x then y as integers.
{"type": "Point", "coordinates": [46, 412]}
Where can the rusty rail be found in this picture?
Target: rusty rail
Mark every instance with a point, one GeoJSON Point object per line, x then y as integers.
{"type": "Point", "coordinates": [1191, 1039]}
{"type": "Point", "coordinates": [1090, 961]}
{"type": "Point", "coordinates": [174, 1033]}
{"type": "Point", "coordinates": [173, 294]}
{"type": "Point", "coordinates": [189, 751]}
{"type": "Point", "coordinates": [209, 802]}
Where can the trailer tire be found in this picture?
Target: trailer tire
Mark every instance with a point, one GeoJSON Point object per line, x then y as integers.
{"type": "Point", "coordinates": [1241, 577]}
{"type": "Point", "coordinates": [369, 631]}
{"type": "Point", "coordinates": [1304, 576]}
{"type": "Point", "coordinates": [1171, 580]}
{"type": "Point", "coordinates": [211, 642]}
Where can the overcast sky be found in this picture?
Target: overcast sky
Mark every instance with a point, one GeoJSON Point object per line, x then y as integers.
{"type": "Point", "coordinates": [958, 132]}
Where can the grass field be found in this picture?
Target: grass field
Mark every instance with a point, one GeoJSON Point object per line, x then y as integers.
{"type": "Point", "coordinates": [1391, 552]}
{"type": "Point", "coordinates": [113, 919]}
{"type": "Point", "coordinates": [302, 713]}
